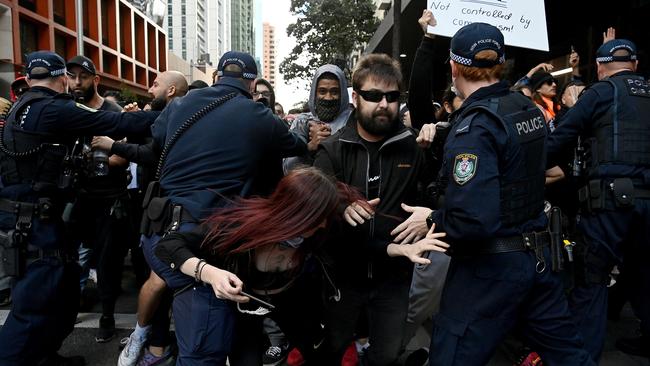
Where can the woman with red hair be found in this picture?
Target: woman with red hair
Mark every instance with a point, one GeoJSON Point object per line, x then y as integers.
{"type": "Point", "coordinates": [256, 249]}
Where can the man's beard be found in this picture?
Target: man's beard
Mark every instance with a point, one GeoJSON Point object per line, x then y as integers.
{"type": "Point", "coordinates": [158, 104]}
{"type": "Point", "coordinates": [377, 127]}
{"type": "Point", "coordinates": [84, 95]}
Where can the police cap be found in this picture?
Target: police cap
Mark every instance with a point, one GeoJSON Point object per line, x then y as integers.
{"type": "Point", "coordinates": [44, 64]}
{"type": "Point", "coordinates": [243, 60]}
{"type": "Point", "coordinates": [605, 53]}
{"type": "Point", "coordinates": [473, 38]}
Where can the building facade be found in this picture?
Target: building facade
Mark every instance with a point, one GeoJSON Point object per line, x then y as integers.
{"type": "Point", "coordinates": [128, 49]}
{"type": "Point", "coordinates": [269, 65]}
{"type": "Point", "coordinates": [242, 26]}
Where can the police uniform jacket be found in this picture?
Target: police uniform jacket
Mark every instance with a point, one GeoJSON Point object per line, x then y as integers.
{"type": "Point", "coordinates": [482, 163]}
{"type": "Point", "coordinates": [218, 157]}
{"type": "Point", "coordinates": [604, 102]}
{"type": "Point", "coordinates": [57, 118]}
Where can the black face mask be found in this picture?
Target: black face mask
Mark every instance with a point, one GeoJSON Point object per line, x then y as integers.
{"type": "Point", "coordinates": [327, 109]}
{"type": "Point", "coordinates": [158, 104]}
{"type": "Point", "coordinates": [264, 101]}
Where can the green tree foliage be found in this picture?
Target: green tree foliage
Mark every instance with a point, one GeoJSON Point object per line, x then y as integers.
{"type": "Point", "coordinates": [326, 31]}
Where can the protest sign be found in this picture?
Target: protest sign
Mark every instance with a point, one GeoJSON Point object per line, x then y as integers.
{"type": "Point", "coordinates": [522, 22]}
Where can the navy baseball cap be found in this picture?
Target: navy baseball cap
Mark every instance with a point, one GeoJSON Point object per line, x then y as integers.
{"type": "Point", "coordinates": [48, 60]}
{"type": "Point", "coordinates": [243, 60]}
{"type": "Point", "coordinates": [473, 38]}
{"type": "Point", "coordinates": [83, 62]}
{"type": "Point", "coordinates": [605, 53]}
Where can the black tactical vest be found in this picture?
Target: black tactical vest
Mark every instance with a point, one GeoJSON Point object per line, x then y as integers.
{"type": "Point", "coordinates": [622, 135]}
{"type": "Point", "coordinates": [30, 157]}
{"type": "Point", "coordinates": [523, 163]}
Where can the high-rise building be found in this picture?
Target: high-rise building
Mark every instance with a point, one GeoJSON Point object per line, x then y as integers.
{"type": "Point", "coordinates": [198, 30]}
{"type": "Point", "coordinates": [242, 30]}
{"type": "Point", "coordinates": [269, 53]}
{"type": "Point", "coordinates": [127, 47]}
{"type": "Point", "coordinates": [218, 28]}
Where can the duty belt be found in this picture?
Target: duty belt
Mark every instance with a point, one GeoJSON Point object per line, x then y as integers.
{"type": "Point", "coordinates": [526, 241]}
{"type": "Point", "coordinates": [42, 208]}
{"type": "Point", "coordinates": [36, 253]}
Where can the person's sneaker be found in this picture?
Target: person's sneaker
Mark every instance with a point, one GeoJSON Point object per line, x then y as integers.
{"type": "Point", "coordinates": [58, 360]}
{"type": "Point", "coordinates": [131, 351]}
{"type": "Point", "coordinates": [275, 354]}
{"type": "Point", "coordinates": [106, 330]}
{"type": "Point", "coordinates": [637, 346]}
{"type": "Point", "coordinates": [5, 297]}
{"type": "Point", "coordinates": [295, 358]}
{"type": "Point", "coordinates": [149, 359]}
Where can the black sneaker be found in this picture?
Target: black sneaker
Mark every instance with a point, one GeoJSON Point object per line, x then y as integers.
{"type": "Point", "coordinates": [419, 357]}
{"type": "Point", "coordinates": [637, 346]}
{"type": "Point", "coordinates": [106, 330]}
{"type": "Point", "coordinates": [58, 360]}
{"type": "Point", "coordinates": [275, 354]}
{"type": "Point", "coordinates": [5, 297]}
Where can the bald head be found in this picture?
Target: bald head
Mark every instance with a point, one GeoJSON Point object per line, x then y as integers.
{"type": "Point", "coordinates": [168, 85]}
{"type": "Point", "coordinates": [177, 80]}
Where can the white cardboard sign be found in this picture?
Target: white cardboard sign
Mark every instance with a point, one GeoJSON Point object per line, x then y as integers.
{"type": "Point", "coordinates": [522, 22]}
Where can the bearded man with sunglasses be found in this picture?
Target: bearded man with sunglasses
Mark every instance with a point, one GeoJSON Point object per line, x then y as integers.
{"type": "Point", "coordinates": [378, 155]}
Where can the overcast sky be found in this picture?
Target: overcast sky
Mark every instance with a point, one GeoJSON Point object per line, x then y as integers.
{"type": "Point", "coordinates": [276, 12]}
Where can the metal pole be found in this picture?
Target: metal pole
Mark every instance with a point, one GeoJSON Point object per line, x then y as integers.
{"type": "Point", "coordinates": [397, 15]}
{"type": "Point", "coordinates": [80, 26]}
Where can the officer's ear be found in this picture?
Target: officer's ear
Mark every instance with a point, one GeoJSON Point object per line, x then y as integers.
{"type": "Point", "coordinates": [454, 69]}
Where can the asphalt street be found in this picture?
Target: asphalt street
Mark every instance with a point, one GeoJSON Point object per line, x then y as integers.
{"type": "Point", "coordinates": [82, 340]}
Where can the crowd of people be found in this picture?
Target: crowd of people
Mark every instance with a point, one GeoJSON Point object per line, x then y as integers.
{"type": "Point", "coordinates": [329, 235]}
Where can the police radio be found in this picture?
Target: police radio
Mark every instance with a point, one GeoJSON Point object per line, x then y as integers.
{"type": "Point", "coordinates": [579, 160]}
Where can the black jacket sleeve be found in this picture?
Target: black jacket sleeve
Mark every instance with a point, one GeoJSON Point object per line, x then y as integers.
{"type": "Point", "coordinates": [176, 248]}
{"type": "Point", "coordinates": [140, 154]}
{"type": "Point", "coordinates": [419, 101]}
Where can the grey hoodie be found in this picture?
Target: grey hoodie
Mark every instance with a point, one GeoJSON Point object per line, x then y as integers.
{"type": "Point", "coordinates": [300, 125]}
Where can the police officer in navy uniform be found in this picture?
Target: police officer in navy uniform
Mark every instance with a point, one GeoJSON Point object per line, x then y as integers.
{"type": "Point", "coordinates": [500, 274]}
{"type": "Point", "coordinates": [38, 164]}
{"type": "Point", "coordinates": [611, 118]}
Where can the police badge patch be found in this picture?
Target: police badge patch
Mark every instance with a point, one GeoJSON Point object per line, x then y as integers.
{"type": "Point", "coordinates": [464, 168]}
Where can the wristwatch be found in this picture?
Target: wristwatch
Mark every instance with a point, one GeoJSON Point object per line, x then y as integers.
{"type": "Point", "coordinates": [430, 219]}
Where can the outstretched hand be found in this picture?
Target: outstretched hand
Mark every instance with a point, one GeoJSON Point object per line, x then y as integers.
{"type": "Point", "coordinates": [414, 227]}
{"type": "Point", "coordinates": [609, 35]}
{"type": "Point", "coordinates": [415, 252]}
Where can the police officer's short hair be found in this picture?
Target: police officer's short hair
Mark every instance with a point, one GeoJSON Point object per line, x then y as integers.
{"type": "Point", "coordinates": [482, 73]}
{"type": "Point", "coordinates": [378, 66]}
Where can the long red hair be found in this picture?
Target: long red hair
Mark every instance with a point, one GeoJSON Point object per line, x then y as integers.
{"type": "Point", "coordinates": [302, 200]}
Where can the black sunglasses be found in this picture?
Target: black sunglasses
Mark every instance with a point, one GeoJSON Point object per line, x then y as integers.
{"type": "Point", "coordinates": [376, 96]}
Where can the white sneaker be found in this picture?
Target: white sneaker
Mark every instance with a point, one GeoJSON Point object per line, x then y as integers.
{"type": "Point", "coordinates": [131, 352]}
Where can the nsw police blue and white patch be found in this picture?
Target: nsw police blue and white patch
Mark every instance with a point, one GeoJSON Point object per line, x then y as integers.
{"type": "Point", "coordinates": [465, 168]}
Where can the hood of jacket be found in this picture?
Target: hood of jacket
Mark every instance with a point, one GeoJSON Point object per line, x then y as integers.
{"type": "Point", "coordinates": [344, 106]}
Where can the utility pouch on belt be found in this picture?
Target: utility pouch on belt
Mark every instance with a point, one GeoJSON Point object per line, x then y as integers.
{"type": "Point", "coordinates": [10, 255]}
{"type": "Point", "coordinates": [153, 191]}
{"type": "Point", "coordinates": [591, 195]}
{"type": "Point", "coordinates": [623, 189]}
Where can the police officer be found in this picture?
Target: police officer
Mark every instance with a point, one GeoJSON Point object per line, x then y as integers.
{"type": "Point", "coordinates": [38, 164]}
{"type": "Point", "coordinates": [212, 142]}
{"type": "Point", "coordinates": [500, 272]}
{"type": "Point", "coordinates": [611, 118]}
